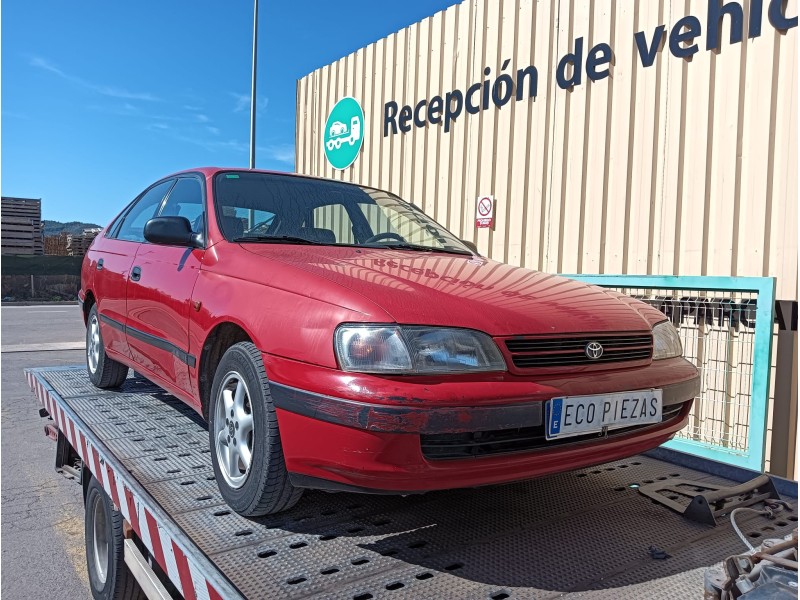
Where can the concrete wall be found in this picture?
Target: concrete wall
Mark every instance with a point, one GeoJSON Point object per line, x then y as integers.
{"type": "Point", "coordinates": [686, 167]}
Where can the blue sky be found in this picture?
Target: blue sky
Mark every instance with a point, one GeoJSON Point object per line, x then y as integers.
{"type": "Point", "coordinates": [99, 99]}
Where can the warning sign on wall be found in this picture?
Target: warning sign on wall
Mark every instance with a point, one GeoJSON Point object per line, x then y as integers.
{"type": "Point", "coordinates": [484, 211]}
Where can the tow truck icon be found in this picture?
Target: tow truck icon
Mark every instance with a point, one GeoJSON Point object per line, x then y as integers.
{"type": "Point", "coordinates": [340, 135]}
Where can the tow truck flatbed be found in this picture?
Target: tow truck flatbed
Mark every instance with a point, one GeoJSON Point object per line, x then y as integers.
{"type": "Point", "coordinates": [586, 533]}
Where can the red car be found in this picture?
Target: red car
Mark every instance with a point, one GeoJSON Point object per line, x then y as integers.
{"type": "Point", "coordinates": [335, 337]}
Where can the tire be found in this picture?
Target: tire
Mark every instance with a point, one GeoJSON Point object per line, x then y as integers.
{"type": "Point", "coordinates": [104, 372]}
{"type": "Point", "coordinates": [109, 576]}
{"type": "Point", "coordinates": [245, 423]}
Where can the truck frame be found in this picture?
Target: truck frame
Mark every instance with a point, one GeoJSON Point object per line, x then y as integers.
{"type": "Point", "coordinates": [588, 532]}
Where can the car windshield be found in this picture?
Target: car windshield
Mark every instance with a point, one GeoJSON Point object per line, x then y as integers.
{"type": "Point", "coordinates": [272, 208]}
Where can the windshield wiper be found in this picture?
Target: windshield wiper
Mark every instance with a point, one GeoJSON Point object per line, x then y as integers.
{"type": "Point", "coordinates": [420, 248]}
{"type": "Point", "coordinates": [276, 239]}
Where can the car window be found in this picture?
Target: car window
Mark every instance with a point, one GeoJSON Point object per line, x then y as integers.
{"type": "Point", "coordinates": [334, 217]}
{"type": "Point", "coordinates": [114, 225]}
{"type": "Point", "coordinates": [379, 219]}
{"type": "Point", "coordinates": [235, 221]}
{"type": "Point", "coordinates": [186, 200]}
{"type": "Point", "coordinates": [323, 212]}
{"type": "Point", "coordinates": [142, 211]}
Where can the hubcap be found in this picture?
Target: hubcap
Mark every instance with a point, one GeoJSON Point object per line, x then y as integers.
{"type": "Point", "coordinates": [100, 542]}
{"type": "Point", "coordinates": [233, 430]}
{"type": "Point", "coordinates": [93, 344]}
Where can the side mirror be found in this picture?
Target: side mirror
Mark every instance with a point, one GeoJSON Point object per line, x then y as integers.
{"type": "Point", "coordinates": [171, 231]}
{"type": "Point", "coordinates": [469, 245]}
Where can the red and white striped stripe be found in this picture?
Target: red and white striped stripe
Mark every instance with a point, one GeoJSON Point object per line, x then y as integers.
{"type": "Point", "coordinates": [186, 567]}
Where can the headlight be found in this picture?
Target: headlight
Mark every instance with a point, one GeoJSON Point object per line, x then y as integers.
{"type": "Point", "coordinates": [666, 343]}
{"type": "Point", "coordinates": [415, 350]}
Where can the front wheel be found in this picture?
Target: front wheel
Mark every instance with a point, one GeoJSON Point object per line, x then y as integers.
{"type": "Point", "coordinates": [104, 372]}
{"type": "Point", "coordinates": [245, 442]}
{"type": "Point", "coordinates": [109, 576]}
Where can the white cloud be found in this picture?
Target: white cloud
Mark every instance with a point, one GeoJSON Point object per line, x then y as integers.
{"type": "Point", "coordinates": [283, 153]}
{"type": "Point", "coordinates": [243, 103]}
{"type": "Point", "coordinates": [41, 63]}
{"type": "Point", "coordinates": [212, 145]}
{"type": "Point", "coordinates": [105, 90]}
{"type": "Point", "coordinates": [124, 110]}
{"type": "Point", "coordinates": [280, 152]}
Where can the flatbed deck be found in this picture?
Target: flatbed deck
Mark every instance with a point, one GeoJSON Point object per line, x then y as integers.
{"type": "Point", "coordinates": [584, 534]}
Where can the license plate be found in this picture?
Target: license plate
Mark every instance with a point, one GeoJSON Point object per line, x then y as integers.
{"type": "Point", "coordinates": [577, 415]}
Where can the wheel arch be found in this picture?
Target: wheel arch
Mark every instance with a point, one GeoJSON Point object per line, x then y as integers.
{"type": "Point", "coordinates": [221, 337]}
{"type": "Point", "coordinates": [88, 301]}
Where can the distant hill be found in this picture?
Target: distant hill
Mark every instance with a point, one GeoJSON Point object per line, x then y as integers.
{"type": "Point", "coordinates": [74, 227]}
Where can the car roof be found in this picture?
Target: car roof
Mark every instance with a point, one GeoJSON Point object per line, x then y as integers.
{"type": "Point", "coordinates": [211, 171]}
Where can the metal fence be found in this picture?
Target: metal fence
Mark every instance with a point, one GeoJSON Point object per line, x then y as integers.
{"type": "Point", "coordinates": [15, 288]}
{"type": "Point", "coordinates": [725, 324]}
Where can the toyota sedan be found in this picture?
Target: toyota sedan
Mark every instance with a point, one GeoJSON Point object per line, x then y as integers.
{"type": "Point", "coordinates": [336, 337]}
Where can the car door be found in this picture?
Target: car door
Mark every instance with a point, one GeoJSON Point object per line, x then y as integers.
{"type": "Point", "coordinates": [110, 260]}
{"type": "Point", "coordinates": [160, 289]}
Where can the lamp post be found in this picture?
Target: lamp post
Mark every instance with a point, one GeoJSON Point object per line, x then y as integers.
{"type": "Point", "coordinates": [253, 90]}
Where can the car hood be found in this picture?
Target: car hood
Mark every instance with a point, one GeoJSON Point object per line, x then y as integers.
{"type": "Point", "coordinates": [460, 291]}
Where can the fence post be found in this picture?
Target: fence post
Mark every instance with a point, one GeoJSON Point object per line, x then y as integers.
{"type": "Point", "coordinates": [784, 411]}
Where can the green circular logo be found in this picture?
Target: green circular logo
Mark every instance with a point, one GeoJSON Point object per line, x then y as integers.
{"type": "Point", "coordinates": [344, 133]}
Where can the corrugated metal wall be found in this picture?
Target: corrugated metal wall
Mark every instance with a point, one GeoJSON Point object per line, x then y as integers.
{"type": "Point", "coordinates": [686, 167]}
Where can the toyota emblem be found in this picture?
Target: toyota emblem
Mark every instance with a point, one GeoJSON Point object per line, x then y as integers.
{"type": "Point", "coordinates": [594, 350]}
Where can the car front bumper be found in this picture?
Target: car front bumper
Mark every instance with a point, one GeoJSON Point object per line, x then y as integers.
{"type": "Point", "coordinates": [352, 443]}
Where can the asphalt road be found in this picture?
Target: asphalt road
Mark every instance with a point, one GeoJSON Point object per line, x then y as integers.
{"type": "Point", "coordinates": [26, 327]}
{"type": "Point", "coordinates": [42, 512]}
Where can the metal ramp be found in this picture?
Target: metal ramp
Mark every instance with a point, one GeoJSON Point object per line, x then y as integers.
{"type": "Point", "coordinates": [585, 533]}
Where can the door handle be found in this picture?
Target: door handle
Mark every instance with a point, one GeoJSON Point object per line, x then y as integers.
{"type": "Point", "coordinates": [136, 273]}
{"type": "Point", "coordinates": [100, 265]}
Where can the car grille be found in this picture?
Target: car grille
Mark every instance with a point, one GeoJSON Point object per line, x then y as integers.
{"type": "Point", "coordinates": [538, 352]}
{"type": "Point", "coordinates": [505, 441]}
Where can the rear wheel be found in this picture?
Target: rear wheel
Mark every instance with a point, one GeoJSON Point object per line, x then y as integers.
{"type": "Point", "coordinates": [245, 442]}
{"type": "Point", "coordinates": [104, 372]}
{"type": "Point", "coordinates": [109, 576]}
